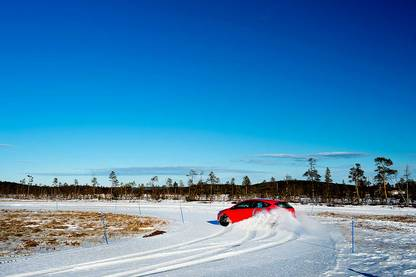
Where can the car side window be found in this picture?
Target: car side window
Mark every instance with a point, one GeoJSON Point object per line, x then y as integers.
{"type": "Point", "coordinates": [255, 204]}
{"type": "Point", "coordinates": [251, 205]}
{"type": "Point", "coordinates": [261, 205]}
{"type": "Point", "coordinates": [242, 205]}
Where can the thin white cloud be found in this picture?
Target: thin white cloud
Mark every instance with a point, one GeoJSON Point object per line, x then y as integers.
{"type": "Point", "coordinates": [282, 156]}
{"type": "Point", "coordinates": [5, 145]}
{"type": "Point", "coordinates": [344, 155]}
{"type": "Point", "coordinates": [335, 154]}
{"type": "Point", "coordinates": [154, 170]}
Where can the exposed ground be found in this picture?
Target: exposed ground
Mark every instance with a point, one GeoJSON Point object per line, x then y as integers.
{"type": "Point", "coordinates": [387, 223]}
{"type": "Point", "coordinates": [24, 232]}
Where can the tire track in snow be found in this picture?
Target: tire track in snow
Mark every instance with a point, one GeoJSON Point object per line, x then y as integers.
{"type": "Point", "coordinates": [201, 258]}
{"type": "Point", "coordinates": [260, 234]}
{"type": "Point", "coordinates": [56, 270]}
{"type": "Point", "coordinates": [158, 255]}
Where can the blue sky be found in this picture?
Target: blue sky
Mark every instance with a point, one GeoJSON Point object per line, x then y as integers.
{"type": "Point", "coordinates": [239, 87]}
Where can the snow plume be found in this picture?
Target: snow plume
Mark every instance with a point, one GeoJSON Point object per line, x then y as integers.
{"type": "Point", "coordinates": [269, 224]}
{"type": "Point", "coordinates": [310, 226]}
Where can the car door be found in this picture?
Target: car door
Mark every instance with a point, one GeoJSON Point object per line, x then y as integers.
{"type": "Point", "coordinates": [259, 206]}
{"type": "Point", "coordinates": [241, 211]}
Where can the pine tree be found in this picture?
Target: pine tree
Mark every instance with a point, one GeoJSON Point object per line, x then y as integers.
{"type": "Point", "coordinates": [212, 179]}
{"type": "Point", "coordinates": [94, 183]}
{"type": "Point", "coordinates": [328, 177]}
{"type": "Point", "coordinates": [312, 175]}
{"type": "Point", "coordinates": [328, 181]}
{"type": "Point", "coordinates": [357, 177]}
{"type": "Point", "coordinates": [232, 183]}
{"type": "Point", "coordinates": [55, 184]}
{"type": "Point", "coordinates": [114, 182]}
{"type": "Point", "coordinates": [29, 183]}
{"type": "Point", "coordinates": [175, 187]}
{"type": "Point", "coordinates": [246, 183]}
{"type": "Point", "coordinates": [406, 177]}
{"type": "Point", "coordinates": [169, 184]}
{"type": "Point", "coordinates": [384, 173]}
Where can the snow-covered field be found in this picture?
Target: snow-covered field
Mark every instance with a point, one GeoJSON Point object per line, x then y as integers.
{"type": "Point", "coordinates": [307, 246]}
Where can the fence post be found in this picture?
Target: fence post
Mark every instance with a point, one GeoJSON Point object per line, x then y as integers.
{"type": "Point", "coordinates": [104, 227]}
{"type": "Point", "coordinates": [352, 236]}
{"type": "Point", "coordinates": [180, 207]}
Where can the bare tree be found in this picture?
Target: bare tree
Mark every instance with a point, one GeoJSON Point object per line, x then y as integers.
{"type": "Point", "coordinates": [22, 182]}
{"type": "Point", "coordinates": [288, 177]}
{"type": "Point", "coordinates": [191, 175]}
{"type": "Point", "coordinates": [154, 180]}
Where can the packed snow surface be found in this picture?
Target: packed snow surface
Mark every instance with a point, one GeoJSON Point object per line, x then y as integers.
{"type": "Point", "coordinates": [274, 244]}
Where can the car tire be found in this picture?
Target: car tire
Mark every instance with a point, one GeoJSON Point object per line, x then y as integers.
{"type": "Point", "coordinates": [225, 220]}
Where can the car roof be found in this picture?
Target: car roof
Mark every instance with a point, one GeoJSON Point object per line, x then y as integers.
{"type": "Point", "coordinates": [267, 200]}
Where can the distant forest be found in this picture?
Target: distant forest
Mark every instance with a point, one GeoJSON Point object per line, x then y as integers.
{"type": "Point", "coordinates": [311, 190]}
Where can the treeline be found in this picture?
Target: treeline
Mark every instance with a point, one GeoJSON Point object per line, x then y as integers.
{"type": "Point", "coordinates": [292, 190]}
{"type": "Point", "coordinates": [382, 191]}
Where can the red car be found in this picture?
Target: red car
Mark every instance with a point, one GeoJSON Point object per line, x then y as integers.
{"type": "Point", "coordinates": [248, 208]}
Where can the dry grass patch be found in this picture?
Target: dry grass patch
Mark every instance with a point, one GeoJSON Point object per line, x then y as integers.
{"type": "Point", "coordinates": [23, 232]}
{"type": "Point", "coordinates": [392, 218]}
{"type": "Point", "coordinates": [382, 223]}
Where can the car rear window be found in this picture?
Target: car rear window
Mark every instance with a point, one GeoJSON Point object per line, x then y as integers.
{"type": "Point", "coordinates": [283, 205]}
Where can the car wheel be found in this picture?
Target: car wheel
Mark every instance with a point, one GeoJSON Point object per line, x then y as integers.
{"type": "Point", "coordinates": [224, 220]}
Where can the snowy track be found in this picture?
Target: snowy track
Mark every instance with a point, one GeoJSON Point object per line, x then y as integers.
{"type": "Point", "coordinates": [196, 248]}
